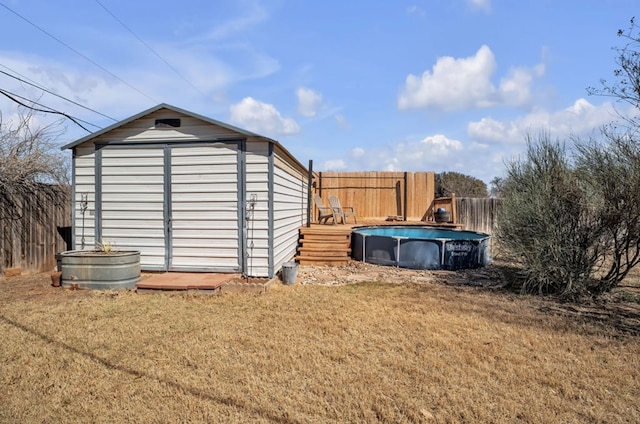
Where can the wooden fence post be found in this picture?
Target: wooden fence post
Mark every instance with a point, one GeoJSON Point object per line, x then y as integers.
{"type": "Point", "coordinates": [309, 192]}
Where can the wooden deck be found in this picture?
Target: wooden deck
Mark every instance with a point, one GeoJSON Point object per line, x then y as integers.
{"type": "Point", "coordinates": [330, 244]}
{"type": "Point", "coordinates": [209, 282]}
{"type": "Point", "coordinates": [185, 281]}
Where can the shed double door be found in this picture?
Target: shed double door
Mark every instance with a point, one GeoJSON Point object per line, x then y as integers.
{"type": "Point", "coordinates": [177, 204]}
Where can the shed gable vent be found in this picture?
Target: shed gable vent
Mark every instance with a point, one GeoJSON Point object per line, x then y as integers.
{"type": "Point", "coordinates": [168, 123]}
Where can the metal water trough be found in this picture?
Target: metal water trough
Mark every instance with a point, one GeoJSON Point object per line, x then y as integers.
{"type": "Point", "coordinates": [95, 269]}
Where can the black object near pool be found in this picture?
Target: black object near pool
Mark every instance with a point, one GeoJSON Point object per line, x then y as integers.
{"type": "Point", "coordinates": [420, 247]}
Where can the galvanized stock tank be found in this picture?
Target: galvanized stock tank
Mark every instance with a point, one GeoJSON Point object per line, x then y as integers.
{"type": "Point", "coordinates": [94, 269]}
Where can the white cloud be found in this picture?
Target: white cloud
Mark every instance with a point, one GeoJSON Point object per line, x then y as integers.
{"type": "Point", "coordinates": [439, 145]}
{"type": "Point", "coordinates": [220, 54]}
{"type": "Point", "coordinates": [309, 101]}
{"type": "Point", "coordinates": [484, 5]}
{"type": "Point", "coordinates": [100, 91]}
{"type": "Point", "coordinates": [437, 153]}
{"type": "Point", "coordinates": [456, 84]}
{"type": "Point", "coordinates": [452, 84]}
{"type": "Point", "coordinates": [334, 165]}
{"type": "Point", "coordinates": [206, 67]}
{"type": "Point", "coordinates": [253, 14]}
{"type": "Point", "coordinates": [90, 89]}
{"type": "Point", "coordinates": [358, 152]}
{"type": "Point", "coordinates": [489, 130]}
{"type": "Point", "coordinates": [434, 151]}
{"type": "Point", "coordinates": [342, 121]}
{"type": "Point", "coordinates": [489, 144]}
{"type": "Point", "coordinates": [516, 88]}
{"type": "Point", "coordinates": [212, 67]}
{"type": "Point", "coordinates": [415, 10]}
{"type": "Point", "coordinates": [581, 118]}
{"type": "Point", "coordinates": [262, 118]}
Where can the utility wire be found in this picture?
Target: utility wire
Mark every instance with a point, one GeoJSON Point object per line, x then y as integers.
{"type": "Point", "coordinates": [49, 109]}
{"type": "Point", "coordinates": [149, 47]}
{"type": "Point", "coordinates": [38, 86]}
{"type": "Point", "coordinates": [78, 53]}
{"type": "Point", "coordinates": [14, 97]}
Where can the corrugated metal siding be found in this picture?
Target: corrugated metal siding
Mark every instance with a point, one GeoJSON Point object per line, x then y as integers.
{"type": "Point", "coordinates": [257, 226]}
{"type": "Point", "coordinates": [290, 201]}
{"type": "Point", "coordinates": [202, 199]}
{"type": "Point", "coordinates": [84, 185]}
{"type": "Point", "coordinates": [133, 202]}
{"type": "Point", "coordinates": [204, 208]}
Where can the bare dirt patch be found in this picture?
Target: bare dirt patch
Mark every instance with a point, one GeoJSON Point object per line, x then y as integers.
{"type": "Point", "coordinates": [355, 272]}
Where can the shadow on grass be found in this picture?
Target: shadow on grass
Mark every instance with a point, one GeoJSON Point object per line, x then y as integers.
{"type": "Point", "coordinates": [229, 401]}
{"type": "Point", "coordinates": [616, 311]}
{"type": "Point", "coordinates": [608, 312]}
{"type": "Point", "coordinates": [619, 316]}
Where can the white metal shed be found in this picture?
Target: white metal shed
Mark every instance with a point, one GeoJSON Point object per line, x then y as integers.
{"type": "Point", "coordinates": [191, 193]}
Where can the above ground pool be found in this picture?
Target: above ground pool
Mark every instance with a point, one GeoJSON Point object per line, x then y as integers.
{"type": "Point", "coordinates": [420, 247]}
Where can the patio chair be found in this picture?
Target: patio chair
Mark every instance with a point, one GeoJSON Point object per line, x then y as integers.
{"type": "Point", "coordinates": [342, 211]}
{"type": "Point", "coordinates": [324, 213]}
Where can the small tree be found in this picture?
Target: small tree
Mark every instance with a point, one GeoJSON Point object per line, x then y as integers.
{"type": "Point", "coordinates": [29, 160]}
{"type": "Point", "coordinates": [496, 189]}
{"type": "Point", "coordinates": [626, 83]}
{"type": "Point", "coordinates": [460, 184]}
{"type": "Point", "coordinates": [610, 174]}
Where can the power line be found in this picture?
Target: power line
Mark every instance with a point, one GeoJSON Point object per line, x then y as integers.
{"type": "Point", "coordinates": [18, 73]}
{"type": "Point", "coordinates": [38, 86]}
{"type": "Point", "coordinates": [77, 52]}
{"type": "Point", "coordinates": [13, 97]}
{"type": "Point", "coordinates": [149, 47]}
{"type": "Point", "coordinates": [49, 109]}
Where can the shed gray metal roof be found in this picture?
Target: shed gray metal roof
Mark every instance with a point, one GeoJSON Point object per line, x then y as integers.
{"type": "Point", "coordinates": [185, 112]}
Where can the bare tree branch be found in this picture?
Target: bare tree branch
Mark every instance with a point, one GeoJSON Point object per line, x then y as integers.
{"type": "Point", "coordinates": [29, 160]}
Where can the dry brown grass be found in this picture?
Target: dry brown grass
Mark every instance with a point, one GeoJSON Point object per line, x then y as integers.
{"type": "Point", "coordinates": [369, 352]}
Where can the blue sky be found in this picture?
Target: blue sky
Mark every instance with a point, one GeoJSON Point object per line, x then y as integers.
{"type": "Point", "coordinates": [417, 85]}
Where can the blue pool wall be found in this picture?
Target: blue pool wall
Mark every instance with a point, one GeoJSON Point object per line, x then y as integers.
{"type": "Point", "coordinates": [418, 247]}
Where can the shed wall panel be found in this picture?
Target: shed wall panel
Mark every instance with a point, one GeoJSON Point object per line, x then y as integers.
{"type": "Point", "coordinates": [84, 187]}
{"type": "Point", "coordinates": [257, 226]}
{"type": "Point", "coordinates": [133, 207]}
{"type": "Point", "coordinates": [290, 200]}
{"type": "Point", "coordinates": [205, 237]}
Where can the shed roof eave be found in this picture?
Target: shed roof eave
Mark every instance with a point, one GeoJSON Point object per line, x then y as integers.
{"type": "Point", "coordinates": [184, 112]}
{"type": "Point", "coordinates": [155, 109]}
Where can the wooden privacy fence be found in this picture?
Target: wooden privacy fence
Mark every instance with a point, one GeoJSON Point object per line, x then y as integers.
{"type": "Point", "coordinates": [34, 228]}
{"type": "Point", "coordinates": [478, 214]}
{"type": "Point", "coordinates": [376, 195]}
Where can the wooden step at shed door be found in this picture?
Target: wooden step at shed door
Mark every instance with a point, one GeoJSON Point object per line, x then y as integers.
{"type": "Point", "coordinates": [324, 245]}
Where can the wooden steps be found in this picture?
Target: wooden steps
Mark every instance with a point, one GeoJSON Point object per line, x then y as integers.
{"type": "Point", "coordinates": [326, 245]}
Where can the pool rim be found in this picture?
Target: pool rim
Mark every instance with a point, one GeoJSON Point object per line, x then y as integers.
{"type": "Point", "coordinates": [424, 227]}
